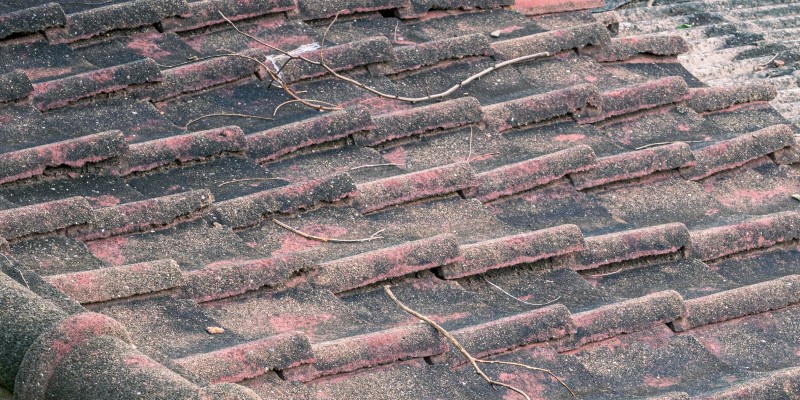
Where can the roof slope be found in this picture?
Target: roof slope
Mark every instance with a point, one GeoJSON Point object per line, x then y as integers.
{"type": "Point", "coordinates": [173, 225]}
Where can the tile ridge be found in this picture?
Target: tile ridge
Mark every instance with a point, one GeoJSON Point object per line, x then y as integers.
{"type": "Point", "coordinates": [149, 214]}
{"type": "Point", "coordinates": [340, 58]}
{"type": "Point", "coordinates": [32, 19]}
{"type": "Point", "coordinates": [513, 250]}
{"type": "Point", "coordinates": [625, 48]}
{"type": "Point", "coordinates": [733, 153]}
{"type": "Point", "coordinates": [553, 42]}
{"type": "Point", "coordinates": [369, 350]}
{"type": "Point", "coordinates": [44, 218]}
{"type": "Point", "coordinates": [719, 98]}
{"type": "Point", "coordinates": [250, 359]}
{"type": "Point", "coordinates": [578, 101]}
{"type": "Point", "coordinates": [64, 91]}
{"type": "Point", "coordinates": [416, 56]}
{"type": "Point", "coordinates": [283, 140]}
{"type": "Point", "coordinates": [249, 210]}
{"type": "Point", "coordinates": [420, 120]}
{"type": "Point", "coordinates": [739, 302]}
{"type": "Point", "coordinates": [776, 383]}
{"type": "Point", "coordinates": [539, 7]}
{"type": "Point", "coordinates": [192, 146]}
{"type": "Point", "coordinates": [14, 86]}
{"type": "Point", "coordinates": [418, 9]}
{"type": "Point", "coordinates": [389, 262]}
{"type": "Point", "coordinates": [634, 164]}
{"type": "Point", "coordinates": [755, 233]}
{"type": "Point", "coordinates": [616, 247]}
{"type": "Point", "coordinates": [77, 152]}
{"type": "Point", "coordinates": [377, 195]}
{"type": "Point", "coordinates": [112, 283]}
{"type": "Point", "coordinates": [205, 13]}
{"type": "Point", "coordinates": [659, 92]}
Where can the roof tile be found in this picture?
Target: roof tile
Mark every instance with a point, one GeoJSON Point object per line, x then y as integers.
{"type": "Point", "coordinates": [626, 317]}
{"type": "Point", "coordinates": [117, 282]}
{"type": "Point", "coordinates": [251, 359]}
{"type": "Point", "coordinates": [203, 74]}
{"type": "Point", "coordinates": [537, 7]}
{"type": "Point", "coordinates": [634, 164]}
{"type": "Point", "coordinates": [646, 95]}
{"type": "Point", "coordinates": [14, 86]}
{"type": "Point", "coordinates": [32, 19]}
{"type": "Point", "coordinates": [229, 278]}
{"type": "Point", "coordinates": [43, 218]}
{"type": "Point", "coordinates": [273, 143]}
{"type": "Point", "coordinates": [418, 8]}
{"type": "Point", "coordinates": [575, 100]}
{"type": "Point", "coordinates": [429, 53]}
{"type": "Point", "coordinates": [132, 14]}
{"type": "Point", "coordinates": [145, 156]}
{"type": "Point", "coordinates": [515, 249]}
{"type": "Point", "coordinates": [755, 233]}
{"type": "Point", "coordinates": [77, 152]}
{"type": "Point", "coordinates": [339, 58]}
{"type": "Point", "coordinates": [377, 195]}
{"type": "Point", "coordinates": [552, 41]}
{"type": "Point", "coordinates": [207, 12]}
{"type": "Point", "coordinates": [722, 97]}
{"type": "Point", "coordinates": [61, 92]}
{"type": "Point", "coordinates": [368, 350]}
{"type": "Point", "coordinates": [735, 303]}
{"type": "Point", "coordinates": [621, 49]}
{"type": "Point", "coordinates": [389, 262]}
{"type": "Point", "coordinates": [414, 121]}
{"type": "Point", "coordinates": [528, 174]}
{"type": "Point", "coordinates": [504, 334]}
{"type": "Point", "coordinates": [147, 214]}
{"type": "Point", "coordinates": [318, 9]}
{"type": "Point", "coordinates": [629, 245]}
{"type": "Point", "coordinates": [783, 383]}
{"type": "Point", "coordinates": [249, 210]}
{"type": "Point", "coordinates": [729, 154]}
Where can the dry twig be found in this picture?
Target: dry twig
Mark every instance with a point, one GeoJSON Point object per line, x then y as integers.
{"type": "Point", "coordinates": [518, 299]}
{"type": "Point", "coordinates": [325, 239]}
{"type": "Point", "coordinates": [375, 165]}
{"type": "Point", "coordinates": [472, 360]}
{"type": "Point", "coordinates": [275, 111]}
{"type": "Point", "coordinates": [665, 143]}
{"type": "Point", "coordinates": [376, 91]}
{"type": "Point", "coordinates": [202, 117]}
{"type": "Point", "coordinates": [250, 180]}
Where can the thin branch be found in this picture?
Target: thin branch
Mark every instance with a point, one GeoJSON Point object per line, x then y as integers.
{"type": "Point", "coordinates": [191, 60]}
{"type": "Point", "coordinates": [202, 117]}
{"type": "Point", "coordinates": [325, 34]}
{"type": "Point", "coordinates": [375, 165]}
{"type": "Point", "coordinates": [275, 111]}
{"type": "Point", "coordinates": [325, 239]}
{"type": "Point", "coordinates": [518, 299]}
{"type": "Point", "coordinates": [665, 143]}
{"type": "Point", "coordinates": [251, 179]}
{"type": "Point", "coordinates": [395, 31]}
{"type": "Point", "coordinates": [21, 275]}
{"type": "Point", "coordinates": [376, 91]}
{"type": "Point", "coordinates": [469, 155]}
{"type": "Point", "coordinates": [607, 273]}
{"type": "Point", "coordinates": [472, 360]}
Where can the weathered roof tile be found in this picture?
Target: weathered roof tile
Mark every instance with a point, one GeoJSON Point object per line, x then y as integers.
{"type": "Point", "coordinates": [32, 19]}
{"type": "Point", "coordinates": [118, 282]}
{"type": "Point", "coordinates": [552, 41]}
{"type": "Point", "coordinates": [338, 58]}
{"type": "Point", "coordinates": [44, 218]}
{"type": "Point", "coordinates": [754, 233]}
{"type": "Point", "coordinates": [735, 303]}
{"type": "Point", "coordinates": [646, 95]}
{"type": "Point", "coordinates": [722, 97]}
{"type": "Point", "coordinates": [630, 245]}
{"type": "Point", "coordinates": [621, 49]}
{"type": "Point", "coordinates": [14, 86]}
{"type": "Point", "coordinates": [207, 12]}
{"type": "Point", "coordinates": [576, 100]}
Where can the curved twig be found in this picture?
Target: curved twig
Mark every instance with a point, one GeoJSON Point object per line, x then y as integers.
{"type": "Point", "coordinates": [471, 359]}
{"type": "Point", "coordinates": [325, 239]}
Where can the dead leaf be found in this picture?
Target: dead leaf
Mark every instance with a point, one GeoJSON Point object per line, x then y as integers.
{"type": "Point", "coordinates": [215, 330]}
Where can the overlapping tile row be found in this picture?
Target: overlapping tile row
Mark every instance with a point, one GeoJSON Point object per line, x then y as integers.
{"type": "Point", "coordinates": [296, 347]}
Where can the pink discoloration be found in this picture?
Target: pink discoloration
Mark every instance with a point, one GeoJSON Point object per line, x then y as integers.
{"type": "Point", "coordinates": [376, 195]}
{"type": "Point", "coordinates": [570, 137]}
{"type": "Point", "coordinates": [512, 250]}
{"type": "Point", "coordinates": [293, 243]}
{"type": "Point", "coordinates": [528, 174]}
{"type": "Point", "coordinates": [291, 322]}
{"type": "Point", "coordinates": [41, 73]}
{"type": "Point", "coordinates": [146, 46]}
{"type": "Point", "coordinates": [659, 382]}
{"type": "Point", "coordinates": [103, 200]}
{"type": "Point", "coordinates": [755, 233]}
{"type": "Point", "coordinates": [109, 250]}
{"type": "Point", "coordinates": [507, 30]}
{"type": "Point", "coordinates": [396, 156]}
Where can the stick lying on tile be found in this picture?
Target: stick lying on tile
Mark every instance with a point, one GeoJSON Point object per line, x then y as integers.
{"type": "Point", "coordinates": [327, 68]}
{"type": "Point", "coordinates": [325, 239]}
{"type": "Point", "coordinates": [472, 360]}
